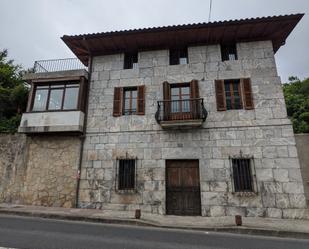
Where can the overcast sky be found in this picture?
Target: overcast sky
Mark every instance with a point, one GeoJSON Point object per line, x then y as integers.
{"type": "Point", "coordinates": [31, 29]}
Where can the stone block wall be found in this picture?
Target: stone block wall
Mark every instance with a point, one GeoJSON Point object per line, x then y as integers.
{"type": "Point", "coordinates": [13, 160]}
{"type": "Point", "coordinates": [264, 133]}
{"type": "Point", "coordinates": [39, 170]}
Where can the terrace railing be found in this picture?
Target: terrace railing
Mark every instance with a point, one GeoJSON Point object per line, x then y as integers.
{"type": "Point", "coordinates": [44, 66]}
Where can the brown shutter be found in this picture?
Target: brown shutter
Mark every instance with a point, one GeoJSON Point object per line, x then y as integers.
{"type": "Point", "coordinates": [141, 100]}
{"type": "Point", "coordinates": [118, 95]}
{"type": "Point", "coordinates": [194, 102]}
{"type": "Point", "coordinates": [194, 92]}
{"type": "Point", "coordinates": [247, 94]}
{"type": "Point", "coordinates": [220, 95]}
{"type": "Point", "coordinates": [166, 98]}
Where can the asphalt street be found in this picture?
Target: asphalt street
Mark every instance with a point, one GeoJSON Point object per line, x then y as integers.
{"type": "Point", "coordinates": [37, 233]}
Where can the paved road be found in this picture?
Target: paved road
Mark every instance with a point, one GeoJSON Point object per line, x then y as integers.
{"type": "Point", "coordinates": [36, 233]}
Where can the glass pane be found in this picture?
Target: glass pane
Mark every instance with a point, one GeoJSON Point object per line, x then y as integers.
{"type": "Point", "coordinates": [237, 103]}
{"type": "Point", "coordinates": [57, 86]}
{"type": "Point", "coordinates": [175, 106]}
{"type": "Point", "coordinates": [40, 100]}
{"type": "Point", "coordinates": [55, 99]}
{"type": "Point", "coordinates": [175, 97]}
{"type": "Point", "coordinates": [185, 90]}
{"type": "Point", "coordinates": [134, 93]}
{"type": "Point", "coordinates": [185, 106]}
{"type": "Point", "coordinates": [175, 90]}
{"type": "Point", "coordinates": [228, 103]}
{"type": "Point", "coordinates": [232, 57]}
{"type": "Point", "coordinates": [183, 61]}
{"type": "Point", "coordinates": [127, 94]}
{"type": "Point", "coordinates": [227, 86]}
{"type": "Point", "coordinates": [133, 105]}
{"type": "Point", "coordinates": [42, 87]}
{"type": "Point", "coordinates": [70, 99]}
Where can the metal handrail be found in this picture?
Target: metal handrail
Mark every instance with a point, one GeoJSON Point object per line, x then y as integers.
{"type": "Point", "coordinates": [55, 65]}
{"type": "Point", "coordinates": [186, 109]}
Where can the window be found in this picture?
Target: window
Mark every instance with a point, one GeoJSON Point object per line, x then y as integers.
{"type": "Point", "coordinates": [180, 98]}
{"type": "Point", "coordinates": [55, 97]}
{"type": "Point", "coordinates": [126, 174]}
{"type": "Point", "coordinates": [228, 52]}
{"type": "Point", "coordinates": [234, 94]}
{"type": "Point", "coordinates": [130, 61]}
{"type": "Point", "coordinates": [178, 56]}
{"type": "Point", "coordinates": [130, 101]}
{"type": "Point", "coordinates": [242, 175]}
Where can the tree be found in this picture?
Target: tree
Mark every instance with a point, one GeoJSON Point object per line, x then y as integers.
{"type": "Point", "coordinates": [13, 93]}
{"type": "Point", "coordinates": [296, 94]}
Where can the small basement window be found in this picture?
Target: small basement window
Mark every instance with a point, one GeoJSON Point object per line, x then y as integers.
{"type": "Point", "coordinates": [126, 174]}
{"type": "Point", "coordinates": [178, 56]}
{"type": "Point", "coordinates": [130, 61]}
{"type": "Point", "coordinates": [242, 175]}
{"type": "Point", "coordinates": [228, 52]}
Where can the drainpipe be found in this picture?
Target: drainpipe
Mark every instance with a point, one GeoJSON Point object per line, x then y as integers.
{"type": "Point", "coordinates": [83, 136]}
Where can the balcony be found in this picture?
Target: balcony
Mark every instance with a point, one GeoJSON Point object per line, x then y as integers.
{"type": "Point", "coordinates": [57, 97]}
{"type": "Point", "coordinates": [181, 113]}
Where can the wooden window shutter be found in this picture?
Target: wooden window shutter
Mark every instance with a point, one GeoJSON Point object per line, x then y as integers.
{"type": "Point", "coordinates": [118, 95]}
{"type": "Point", "coordinates": [166, 91]}
{"type": "Point", "coordinates": [141, 100]}
{"type": "Point", "coordinates": [194, 92]}
{"type": "Point", "coordinates": [166, 98]}
{"type": "Point", "coordinates": [220, 95]}
{"type": "Point", "coordinates": [247, 94]}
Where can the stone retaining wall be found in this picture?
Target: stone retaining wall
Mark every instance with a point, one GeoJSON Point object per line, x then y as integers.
{"type": "Point", "coordinates": [39, 170]}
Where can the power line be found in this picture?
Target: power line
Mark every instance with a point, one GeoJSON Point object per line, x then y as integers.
{"type": "Point", "coordinates": [210, 5]}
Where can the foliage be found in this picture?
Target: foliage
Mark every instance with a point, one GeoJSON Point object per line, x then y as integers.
{"type": "Point", "coordinates": [13, 93]}
{"type": "Point", "coordinates": [296, 94]}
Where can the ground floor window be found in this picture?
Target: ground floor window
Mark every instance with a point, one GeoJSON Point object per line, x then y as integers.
{"type": "Point", "coordinates": [126, 174]}
{"type": "Point", "coordinates": [242, 175]}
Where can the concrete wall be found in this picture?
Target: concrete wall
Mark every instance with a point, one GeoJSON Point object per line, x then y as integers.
{"type": "Point", "coordinates": [302, 143]}
{"type": "Point", "coordinates": [265, 133]}
{"type": "Point", "coordinates": [39, 170]}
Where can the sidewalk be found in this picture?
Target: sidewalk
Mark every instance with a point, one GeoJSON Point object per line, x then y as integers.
{"type": "Point", "coordinates": [256, 226]}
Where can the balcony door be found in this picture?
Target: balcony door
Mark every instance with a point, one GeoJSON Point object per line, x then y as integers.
{"type": "Point", "coordinates": [181, 101]}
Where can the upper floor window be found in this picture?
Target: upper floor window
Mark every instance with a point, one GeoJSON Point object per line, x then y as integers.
{"type": "Point", "coordinates": [228, 52]}
{"type": "Point", "coordinates": [129, 100]}
{"type": "Point", "coordinates": [130, 61]}
{"type": "Point", "coordinates": [234, 94]}
{"type": "Point", "coordinates": [55, 97]}
{"type": "Point", "coordinates": [242, 175]}
{"type": "Point", "coordinates": [180, 97]}
{"type": "Point", "coordinates": [178, 56]}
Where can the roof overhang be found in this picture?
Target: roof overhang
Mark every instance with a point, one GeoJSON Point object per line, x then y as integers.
{"type": "Point", "coordinates": [276, 29]}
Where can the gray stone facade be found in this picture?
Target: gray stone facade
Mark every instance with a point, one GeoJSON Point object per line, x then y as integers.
{"type": "Point", "coordinates": [264, 133]}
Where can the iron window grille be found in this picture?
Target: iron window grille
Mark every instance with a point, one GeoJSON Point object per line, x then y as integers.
{"type": "Point", "coordinates": [130, 61]}
{"type": "Point", "coordinates": [243, 174]}
{"type": "Point", "coordinates": [229, 52]}
{"type": "Point", "coordinates": [126, 175]}
{"type": "Point", "coordinates": [178, 56]}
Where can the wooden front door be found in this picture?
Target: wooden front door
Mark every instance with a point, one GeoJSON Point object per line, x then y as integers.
{"type": "Point", "coordinates": [183, 187]}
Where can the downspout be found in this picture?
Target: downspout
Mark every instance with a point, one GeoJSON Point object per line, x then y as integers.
{"type": "Point", "coordinates": [83, 136]}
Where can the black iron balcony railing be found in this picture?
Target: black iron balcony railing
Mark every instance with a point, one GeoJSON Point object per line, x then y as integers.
{"type": "Point", "coordinates": [56, 65]}
{"type": "Point", "coordinates": [186, 109]}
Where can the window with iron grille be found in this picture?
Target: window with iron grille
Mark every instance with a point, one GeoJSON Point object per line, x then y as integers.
{"type": "Point", "coordinates": [126, 174]}
{"type": "Point", "coordinates": [228, 52]}
{"type": "Point", "coordinates": [242, 175]}
{"type": "Point", "coordinates": [130, 61]}
{"type": "Point", "coordinates": [178, 56]}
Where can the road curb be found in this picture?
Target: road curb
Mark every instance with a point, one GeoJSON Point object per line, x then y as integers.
{"type": "Point", "coordinates": [146, 223]}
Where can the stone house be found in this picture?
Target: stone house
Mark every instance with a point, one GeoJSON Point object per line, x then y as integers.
{"type": "Point", "coordinates": [180, 120]}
